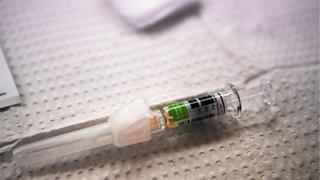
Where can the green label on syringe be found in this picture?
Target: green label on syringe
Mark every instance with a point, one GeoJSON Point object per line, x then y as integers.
{"type": "Point", "coordinates": [196, 110]}
{"type": "Point", "coordinates": [178, 111]}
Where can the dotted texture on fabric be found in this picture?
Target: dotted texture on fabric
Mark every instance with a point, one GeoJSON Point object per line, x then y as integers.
{"type": "Point", "coordinates": [77, 61]}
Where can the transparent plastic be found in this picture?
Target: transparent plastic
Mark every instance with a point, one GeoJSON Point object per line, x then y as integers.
{"type": "Point", "coordinates": [229, 102]}
{"type": "Point", "coordinates": [64, 144]}
{"type": "Point", "coordinates": [252, 97]}
{"type": "Point", "coordinates": [129, 125]}
{"type": "Point", "coordinates": [135, 122]}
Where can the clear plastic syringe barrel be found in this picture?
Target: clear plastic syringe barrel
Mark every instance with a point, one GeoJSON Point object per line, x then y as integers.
{"type": "Point", "coordinates": [72, 142]}
{"type": "Point", "coordinates": [217, 104]}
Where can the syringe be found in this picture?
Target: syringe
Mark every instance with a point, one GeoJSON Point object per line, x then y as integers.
{"type": "Point", "coordinates": [135, 122]}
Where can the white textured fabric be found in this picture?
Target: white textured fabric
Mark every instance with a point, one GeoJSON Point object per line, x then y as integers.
{"type": "Point", "coordinates": [76, 61]}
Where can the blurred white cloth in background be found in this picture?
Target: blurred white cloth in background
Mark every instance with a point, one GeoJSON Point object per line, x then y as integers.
{"type": "Point", "coordinates": [142, 14]}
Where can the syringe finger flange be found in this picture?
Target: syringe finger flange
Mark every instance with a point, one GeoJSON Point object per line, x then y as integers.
{"type": "Point", "coordinates": [233, 101]}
